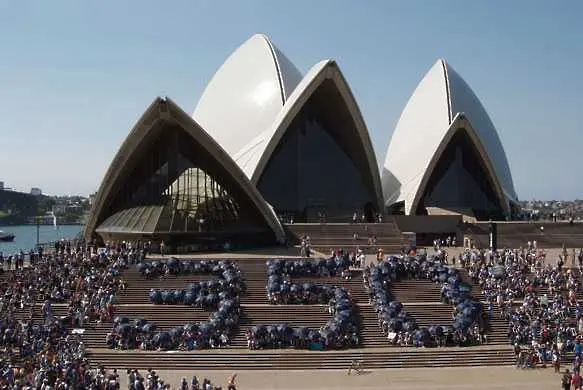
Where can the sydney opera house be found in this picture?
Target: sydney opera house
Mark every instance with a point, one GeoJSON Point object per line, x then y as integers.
{"type": "Point", "coordinates": [267, 145]}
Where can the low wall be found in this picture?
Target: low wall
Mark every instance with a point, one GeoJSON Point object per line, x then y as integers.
{"type": "Point", "coordinates": [429, 223]}
{"type": "Point", "coordinates": [429, 227]}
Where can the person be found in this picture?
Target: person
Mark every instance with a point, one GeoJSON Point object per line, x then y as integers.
{"type": "Point", "coordinates": [194, 384]}
{"type": "Point", "coordinates": [576, 381]}
{"type": "Point", "coordinates": [356, 365]}
{"type": "Point", "coordinates": [557, 361]}
{"type": "Point", "coordinates": [231, 382]}
{"type": "Point", "coordinates": [162, 248]}
{"type": "Point", "coordinates": [566, 380]}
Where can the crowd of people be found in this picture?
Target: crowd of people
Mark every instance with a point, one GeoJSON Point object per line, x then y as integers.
{"type": "Point", "coordinates": [226, 286]}
{"type": "Point", "coordinates": [220, 294]}
{"type": "Point", "coordinates": [281, 289]}
{"type": "Point", "coordinates": [469, 326]}
{"type": "Point", "coordinates": [505, 275]}
{"type": "Point", "coordinates": [341, 331]}
{"type": "Point", "coordinates": [40, 353]}
{"type": "Point", "coordinates": [17, 259]}
{"type": "Point", "coordinates": [539, 300]}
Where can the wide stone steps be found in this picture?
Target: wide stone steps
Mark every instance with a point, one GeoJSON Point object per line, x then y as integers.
{"type": "Point", "coordinates": [386, 229]}
{"type": "Point", "coordinates": [366, 249]}
{"type": "Point", "coordinates": [313, 316]}
{"type": "Point", "coordinates": [422, 290]}
{"type": "Point", "coordinates": [515, 235]}
{"type": "Point", "coordinates": [406, 291]}
{"type": "Point", "coordinates": [324, 237]}
{"type": "Point", "coordinates": [337, 242]}
{"type": "Point", "coordinates": [255, 275]}
{"type": "Point", "coordinates": [415, 291]}
{"type": "Point", "coordinates": [421, 299]}
{"type": "Point", "coordinates": [294, 360]}
{"type": "Point", "coordinates": [427, 315]}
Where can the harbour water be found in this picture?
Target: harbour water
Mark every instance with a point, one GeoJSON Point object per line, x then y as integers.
{"type": "Point", "coordinates": [25, 236]}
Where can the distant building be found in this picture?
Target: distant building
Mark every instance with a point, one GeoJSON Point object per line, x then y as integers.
{"type": "Point", "coordinates": [59, 209]}
{"type": "Point", "coordinates": [36, 191]}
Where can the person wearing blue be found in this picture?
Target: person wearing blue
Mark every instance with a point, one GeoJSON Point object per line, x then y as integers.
{"type": "Point", "coordinates": [578, 348]}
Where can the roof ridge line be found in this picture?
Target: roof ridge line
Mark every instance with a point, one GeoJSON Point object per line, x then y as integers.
{"type": "Point", "coordinates": [447, 91]}
{"type": "Point", "coordinates": [277, 68]}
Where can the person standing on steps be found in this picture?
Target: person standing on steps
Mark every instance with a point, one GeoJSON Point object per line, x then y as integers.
{"type": "Point", "coordinates": [162, 248]}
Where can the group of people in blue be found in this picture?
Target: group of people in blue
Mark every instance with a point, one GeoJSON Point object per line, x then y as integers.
{"type": "Point", "coordinates": [220, 295]}
{"type": "Point", "coordinates": [226, 285]}
{"type": "Point", "coordinates": [340, 331]}
{"type": "Point", "coordinates": [281, 290]}
{"type": "Point", "coordinates": [400, 327]}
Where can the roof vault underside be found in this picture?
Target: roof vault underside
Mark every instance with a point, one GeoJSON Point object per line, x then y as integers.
{"type": "Point", "coordinates": [460, 122]}
{"type": "Point", "coordinates": [325, 79]}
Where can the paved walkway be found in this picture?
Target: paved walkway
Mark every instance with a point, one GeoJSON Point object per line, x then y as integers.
{"type": "Point", "coordinates": [483, 378]}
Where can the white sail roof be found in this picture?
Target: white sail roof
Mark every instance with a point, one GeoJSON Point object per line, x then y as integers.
{"type": "Point", "coordinates": [246, 93]}
{"type": "Point", "coordinates": [423, 125]}
{"type": "Point", "coordinates": [254, 157]}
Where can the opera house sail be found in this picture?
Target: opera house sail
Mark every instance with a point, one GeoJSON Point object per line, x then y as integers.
{"type": "Point", "coordinates": [318, 157]}
{"type": "Point", "coordinates": [267, 144]}
{"type": "Point", "coordinates": [301, 141]}
{"type": "Point", "coordinates": [445, 153]}
{"type": "Point", "coordinates": [246, 93]}
{"type": "Point", "coordinates": [171, 181]}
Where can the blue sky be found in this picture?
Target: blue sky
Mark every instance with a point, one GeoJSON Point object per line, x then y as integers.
{"type": "Point", "coordinates": [76, 75]}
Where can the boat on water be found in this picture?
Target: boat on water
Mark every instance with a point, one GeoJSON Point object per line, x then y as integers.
{"type": "Point", "coordinates": [6, 237]}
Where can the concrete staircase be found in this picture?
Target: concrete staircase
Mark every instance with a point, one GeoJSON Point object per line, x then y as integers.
{"type": "Point", "coordinates": [421, 299]}
{"type": "Point", "coordinates": [300, 360]}
{"type": "Point", "coordinates": [328, 236]}
{"type": "Point", "coordinates": [517, 234]}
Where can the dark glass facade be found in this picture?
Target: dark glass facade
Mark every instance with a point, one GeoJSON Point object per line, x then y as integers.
{"type": "Point", "coordinates": [460, 181]}
{"type": "Point", "coordinates": [175, 187]}
{"type": "Point", "coordinates": [319, 168]}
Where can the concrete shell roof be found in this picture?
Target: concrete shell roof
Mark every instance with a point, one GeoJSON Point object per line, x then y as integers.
{"type": "Point", "coordinates": [246, 93]}
{"type": "Point", "coordinates": [165, 110]}
{"type": "Point", "coordinates": [423, 125]}
{"type": "Point", "coordinates": [253, 158]}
